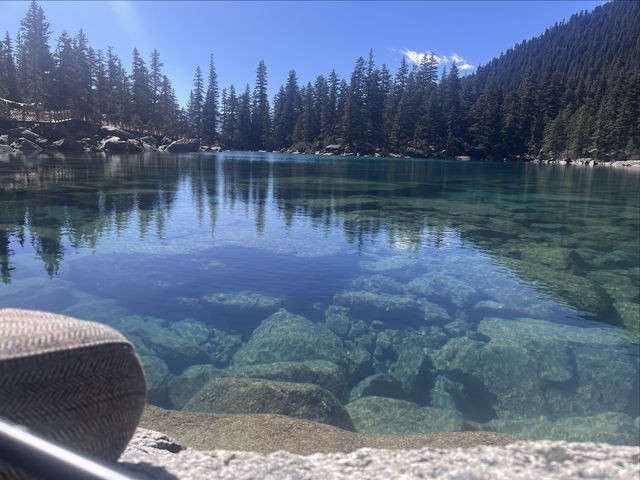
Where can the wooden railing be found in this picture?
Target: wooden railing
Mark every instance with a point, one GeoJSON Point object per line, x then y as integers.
{"type": "Point", "coordinates": [34, 114]}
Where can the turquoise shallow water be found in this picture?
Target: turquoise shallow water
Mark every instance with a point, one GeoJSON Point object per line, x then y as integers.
{"type": "Point", "coordinates": [424, 295]}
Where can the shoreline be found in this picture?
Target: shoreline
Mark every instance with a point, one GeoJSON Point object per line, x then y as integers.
{"type": "Point", "coordinates": [79, 137]}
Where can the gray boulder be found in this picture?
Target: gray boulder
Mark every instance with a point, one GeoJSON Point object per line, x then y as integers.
{"type": "Point", "coordinates": [113, 144]}
{"type": "Point", "coordinates": [285, 337]}
{"type": "Point", "coordinates": [26, 146]}
{"type": "Point", "coordinates": [109, 131]}
{"type": "Point", "coordinates": [184, 145]}
{"type": "Point", "coordinates": [399, 417]}
{"type": "Point", "coordinates": [297, 400]}
{"type": "Point", "coordinates": [68, 145]}
{"type": "Point", "coordinates": [134, 145]}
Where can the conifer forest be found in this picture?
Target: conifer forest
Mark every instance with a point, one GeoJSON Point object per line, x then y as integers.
{"type": "Point", "coordinates": [574, 91]}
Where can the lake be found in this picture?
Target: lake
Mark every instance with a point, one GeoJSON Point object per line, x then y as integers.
{"type": "Point", "coordinates": [424, 295]}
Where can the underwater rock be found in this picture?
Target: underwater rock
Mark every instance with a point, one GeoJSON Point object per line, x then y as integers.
{"type": "Point", "coordinates": [413, 367]}
{"type": "Point", "coordinates": [285, 337]}
{"type": "Point", "coordinates": [528, 367]}
{"type": "Point", "coordinates": [379, 384]}
{"type": "Point", "coordinates": [156, 374]}
{"type": "Point", "coordinates": [377, 283]}
{"type": "Point", "coordinates": [359, 362]}
{"type": "Point", "coordinates": [630, 314]}
{"type": "Point", "coordinates": [322, 373]}
{"type": "Point", "coordinates": [218, 345]}
{"type": "Point", "coordinates": [245, 395]}
{"type": "Point", "coordinates": [399, 417]}
{"type": "Point", "coordinates": [183, 387]}
{"type": "Point", "coordinates": [384, 264]}
{"type": "Point", "coordinates": [446, 393]}
{"type": "Point", "coordinates": [337, 320]}
{"type": "Point", "coordinates": [433, 313]}
{"type": "Point", "coordinates": [96, 309]}
{"type": "Point", "coordinates": [177, 351]}
{"type": "Point", "coordinates": [243, 300]}
{"type": "Point", "coordinates": [438, 286]}
{"type": "Point", "coordinates": [38, 293]}
{"type": "Point", "coordinates": [614, 428]}
{"type": "Point", "coordinates": [389, 308]}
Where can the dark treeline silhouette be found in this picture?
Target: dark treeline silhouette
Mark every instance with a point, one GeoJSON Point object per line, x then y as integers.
{"type": "Point", "coordinates": [573, 91]}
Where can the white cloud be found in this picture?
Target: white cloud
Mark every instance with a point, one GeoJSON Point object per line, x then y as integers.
{"type": "Point", "coordinates": [416, 57]}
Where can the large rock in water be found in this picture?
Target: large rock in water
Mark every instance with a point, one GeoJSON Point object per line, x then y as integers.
{"type": "Point", "coordinates": [528, 367]}
{"type": "Point", "coordinates": [285, 337]}
{"type": "Point", "coordinates": [75, 382]}
{"type": "Point", "coordinates": [297, 400]}
{"type": "Point", "coordinates": [323, 373]}
{"type": "Point", "coordinates": [399, 417]}
{"type": "Point", "coordinates": [184, 145]}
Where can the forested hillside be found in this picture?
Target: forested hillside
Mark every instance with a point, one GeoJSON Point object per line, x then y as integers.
{"type": "Point", "coordinates": [572, 92]}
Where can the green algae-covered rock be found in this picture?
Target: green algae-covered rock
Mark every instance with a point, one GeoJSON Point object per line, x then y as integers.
{"type": "Point", "coordinates": [399, 417]}
{"type": "Point", "coordinates": [285, 337]}
{"type": "Point", "coordinates": [250, 395]}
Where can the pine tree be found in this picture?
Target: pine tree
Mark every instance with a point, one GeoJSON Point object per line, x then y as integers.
{"type": "Point", "coordinates": [141, 93]}
{"type": "Point", "coordinates": [155, 82]}
{"type": "Point", "coordinates": [354, 119]}
{"type": "Point", "coordinates": [260, 122]}
{"type": "Point", "coordinates": [210, 107]}
{"type": "Point", "coordinates": [196, 100]}
{"type": "Point", "coordinates": [8, 77]}
{"type": "Point", "coordinates": [82, 67]}
{"type": "Point", "coordinates": [35, 57]}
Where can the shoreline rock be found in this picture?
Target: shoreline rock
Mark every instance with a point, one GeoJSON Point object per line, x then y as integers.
{"type": "Point", "coordinates": [156, 456]}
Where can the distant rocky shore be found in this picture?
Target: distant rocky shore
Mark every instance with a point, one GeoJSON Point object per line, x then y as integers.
{"type": "Point", "coordinates": [79, 136]}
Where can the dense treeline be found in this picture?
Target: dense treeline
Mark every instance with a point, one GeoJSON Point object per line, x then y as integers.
{"type": "Point", "coordinates": [573, 91]}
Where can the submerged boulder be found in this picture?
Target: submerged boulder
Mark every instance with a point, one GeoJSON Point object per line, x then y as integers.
{"type": "Point", "coordinates": [245, 395]}
{"type": "Point", "coordinates": [285, 337]}
{"type": "Point", "coordinates": [323, 373]}
{"type": "Point", "coordinates": [399, 417]}
{"type": "Point", "coordinates": [528, 367]}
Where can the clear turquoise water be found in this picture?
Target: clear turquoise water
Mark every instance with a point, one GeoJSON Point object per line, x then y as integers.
{"type": "Point", "coordinates": [502, 296]}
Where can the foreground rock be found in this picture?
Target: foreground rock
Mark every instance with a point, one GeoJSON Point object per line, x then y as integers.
{"type": "Point", "coordinates": [248, 395]}
{"type": "Point", "coordinates": [156, 456]}
{"type": "Point", "coordinates": [270, 433]}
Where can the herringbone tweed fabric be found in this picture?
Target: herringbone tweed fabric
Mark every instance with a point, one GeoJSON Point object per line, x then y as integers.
{"type": "Point", "coordinates": [76, 382]}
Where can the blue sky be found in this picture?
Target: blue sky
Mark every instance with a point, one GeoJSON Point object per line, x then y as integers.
{"type": "Point", "coordinates": [310, 37]}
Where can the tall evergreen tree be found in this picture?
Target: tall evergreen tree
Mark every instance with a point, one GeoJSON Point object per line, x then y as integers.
{"type": "Point", "coordinates": [8, 76]}
{"type": "Point", "coordinates": [260, 121]}
{"type": "Point", "coordinates": [35, 57]}
{"type": "Point", "coordinates": [141, 94]}
{"type": "Point", "coordinates": [196, 100]}
{"type": "Point", "coordinates": [210, 107]}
